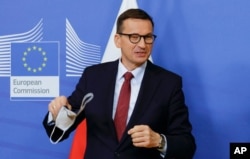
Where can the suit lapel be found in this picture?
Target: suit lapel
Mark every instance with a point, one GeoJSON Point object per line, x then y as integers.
{"type": "Point", "coordinates": [148, 86]}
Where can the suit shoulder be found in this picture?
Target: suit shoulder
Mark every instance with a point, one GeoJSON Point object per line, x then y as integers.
{"type": "Point", "coordinates": [165, 72]}
{"type": "Point", "coordinates": [102, 66]}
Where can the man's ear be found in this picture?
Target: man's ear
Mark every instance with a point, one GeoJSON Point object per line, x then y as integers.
{"type": "Point", "coordinates": [117, 40]}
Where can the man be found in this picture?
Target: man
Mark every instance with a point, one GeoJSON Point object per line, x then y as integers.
{"type": "Point", "coordinates": [156, 125]}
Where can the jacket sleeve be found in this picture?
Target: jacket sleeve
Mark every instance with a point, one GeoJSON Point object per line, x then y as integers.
{"type": "Point", "coordinates": [180, 141]}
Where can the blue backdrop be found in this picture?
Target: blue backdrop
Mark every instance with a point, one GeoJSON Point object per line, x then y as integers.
{"type": "Point", "coordinates": [207, 42]}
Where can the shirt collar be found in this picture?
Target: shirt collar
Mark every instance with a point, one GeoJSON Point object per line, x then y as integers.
{"type": "Point", "coordinates": [137, 73]}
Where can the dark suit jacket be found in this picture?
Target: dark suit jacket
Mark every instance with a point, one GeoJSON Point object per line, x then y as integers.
{"type": "Point", "coordinates": [160, 105]}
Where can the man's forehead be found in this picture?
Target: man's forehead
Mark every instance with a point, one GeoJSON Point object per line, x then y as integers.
{"type": "Point", "coordinates": [137, 24]}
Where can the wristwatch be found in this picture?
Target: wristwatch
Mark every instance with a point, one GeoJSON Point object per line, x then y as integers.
{"type": "Point", "coordinates": [162, 142]}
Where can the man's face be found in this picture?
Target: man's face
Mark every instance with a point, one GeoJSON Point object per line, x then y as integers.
{"type": "Point", "coordinates": [134, 54]}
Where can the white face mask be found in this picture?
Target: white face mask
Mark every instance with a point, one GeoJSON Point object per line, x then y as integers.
{"type": "Point", "coordinates": [66, 118]}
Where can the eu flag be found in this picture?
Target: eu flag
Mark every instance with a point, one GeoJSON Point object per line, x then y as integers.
{"type": "Point", "coordinates": [35, 59]}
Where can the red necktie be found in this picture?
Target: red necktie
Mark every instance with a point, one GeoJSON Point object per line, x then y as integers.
{"type": "Point", "coordinates": [123, 105]}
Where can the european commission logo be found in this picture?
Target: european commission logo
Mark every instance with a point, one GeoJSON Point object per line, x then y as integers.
{"type": "Point", "coordinates": [34, 70]}
{"type": "Point", "coordinates": [34, 59]}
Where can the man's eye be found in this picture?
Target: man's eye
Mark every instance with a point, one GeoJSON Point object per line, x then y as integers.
{"type": "Point", "coordinates": [134, 36]}
{"type": "Point", "coordinates": [148, 37]}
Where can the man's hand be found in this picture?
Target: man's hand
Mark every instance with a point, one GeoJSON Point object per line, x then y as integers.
{"type": "Point", "coordinates": [56, 104]}
{"type": "Point", "coordinates": [144, 136]}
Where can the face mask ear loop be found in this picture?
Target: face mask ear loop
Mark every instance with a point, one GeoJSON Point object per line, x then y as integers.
{"type": "Point", "coordinates": [86, 99]}
{"type": "Point", "coordinates": [50, 138]}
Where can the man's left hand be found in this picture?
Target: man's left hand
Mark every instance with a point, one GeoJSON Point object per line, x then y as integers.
{"type": "Point", "coordinates": [144, 136]}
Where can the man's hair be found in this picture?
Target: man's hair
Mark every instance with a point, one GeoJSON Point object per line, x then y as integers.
{"type": "Point", "coordinates": [134, 14]}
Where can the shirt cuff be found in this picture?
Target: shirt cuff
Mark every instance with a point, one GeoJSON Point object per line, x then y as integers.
{"type": "Point", "coordinates": [163, 150]}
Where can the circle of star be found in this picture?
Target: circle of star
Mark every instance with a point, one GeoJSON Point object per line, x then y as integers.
{"type": "Point", "coordinates": [25, 56]}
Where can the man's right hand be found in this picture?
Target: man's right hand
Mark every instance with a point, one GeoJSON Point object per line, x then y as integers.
{"type": "Point", "coordinates": [56, 104]}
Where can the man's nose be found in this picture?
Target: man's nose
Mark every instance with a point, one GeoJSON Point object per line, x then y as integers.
{"type": "Point", "coordinates": [142, 43]}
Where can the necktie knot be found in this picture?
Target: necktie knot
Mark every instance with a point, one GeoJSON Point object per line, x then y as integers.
{"type": "Point", "coordinates": [128, 76]}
